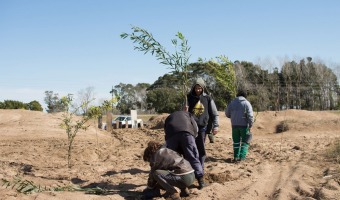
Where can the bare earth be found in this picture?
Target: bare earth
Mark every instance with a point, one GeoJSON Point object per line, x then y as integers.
{"type": "Point", "coordinates": [289, 165]}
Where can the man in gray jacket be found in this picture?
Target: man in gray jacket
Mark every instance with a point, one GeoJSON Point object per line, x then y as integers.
{"type": "Point", "coordinates": [240, 112]}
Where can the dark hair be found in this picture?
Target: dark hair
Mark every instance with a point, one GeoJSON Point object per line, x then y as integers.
{"type": "Point", "coordinates": [241, 93]}
{"type": "Point", "coordinates": [150, 150]}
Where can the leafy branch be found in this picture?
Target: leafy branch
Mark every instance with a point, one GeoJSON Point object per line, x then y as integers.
{"type": "Point", "coordinates": [178, 61]}
{"type": "Point", "coordinates": [28, 187]}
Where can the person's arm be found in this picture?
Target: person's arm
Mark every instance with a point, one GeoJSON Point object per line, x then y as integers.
{"type": "Point", "coordinates": [227, 111]}
{"type": "Point", "coordinates": [250, 115]}
{"type": "Point", "coordinates": [215, 117]}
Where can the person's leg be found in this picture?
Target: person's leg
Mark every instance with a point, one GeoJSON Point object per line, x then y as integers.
{"type": "Point", "coordinates": [187, 179]}
{"type": "Point", "coordinates": [200, 145]}
{"type": "Point", "coordinates": [190, 153]}
{"type": "Point", "coordinates": [244, 144]}
{"type": "Point", "coordinates": [169, 181]}
{"type": "Point", "coordinates": [236, 142]}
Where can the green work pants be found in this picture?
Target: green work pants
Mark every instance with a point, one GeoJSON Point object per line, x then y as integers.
{"type": "Point", "coordinates": [239, 144]}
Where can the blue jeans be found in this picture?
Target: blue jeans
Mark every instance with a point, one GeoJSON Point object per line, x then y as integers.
{"type": "Point", "coordinates": [200, 142]}
{"type": "Point", "coordinates": [184, 143]}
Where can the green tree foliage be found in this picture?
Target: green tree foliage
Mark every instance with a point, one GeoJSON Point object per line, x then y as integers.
{"type": "Point", "coordinates": [54, 103]}
{"type": "Point", "coordinates": [12, 104]}
{"type": "Point", "coordinates": [219, 76]}
{"type": "Point", "coordinates": [130, 97]}
{"type": "Point", "coordinates": [177, 61]}
{"type": "Point", "coordinates": [164, 100]}
{"type": "Point", "coordinates": [35, 105]}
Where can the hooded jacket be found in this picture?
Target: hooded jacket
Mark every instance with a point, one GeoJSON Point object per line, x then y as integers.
{"type": "Point", "coordinates": [240, 112]}
{"type": "Point", "coordinates": [208, 108]}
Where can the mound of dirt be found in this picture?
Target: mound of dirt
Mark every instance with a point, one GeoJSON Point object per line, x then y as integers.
{"type": "Point", "coordinates": [157, 122]}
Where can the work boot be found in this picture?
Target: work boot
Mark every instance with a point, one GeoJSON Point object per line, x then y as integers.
{"type": "Point", "coordinates": [151, 193]}
{"type": "Point", "coordinates": [175, 196]}
{"type": "Point", "coordinates": [184, 192]}
{"type": "Point", "coordinates": [201, 183]}
{"type": "Point", "coordinates": [211, 137]}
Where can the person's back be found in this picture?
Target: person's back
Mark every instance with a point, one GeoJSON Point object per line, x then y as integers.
{"type": "Point", "coordinates": [240, 112]}
{"type": "Point", "coordinates": [178, 122]}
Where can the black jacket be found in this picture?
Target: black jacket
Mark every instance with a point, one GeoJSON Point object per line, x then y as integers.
{"type": "Point", "coordinates": [180, 121]}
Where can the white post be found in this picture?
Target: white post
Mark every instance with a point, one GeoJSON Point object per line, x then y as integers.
{"type": "Point", "coordinates": [134, 118]}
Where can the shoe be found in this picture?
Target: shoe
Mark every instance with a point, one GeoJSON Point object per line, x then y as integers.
{"type": "Point", "coordinates": [151, 193]}
{"type": "Point", "coordinates": [201, 183]}
{"type": "Point", "coordinates": [174, 196]}
{"type": "Point", "coordinates": [184, 192]}
{"type": "Point", "coordinates": [236, 160]}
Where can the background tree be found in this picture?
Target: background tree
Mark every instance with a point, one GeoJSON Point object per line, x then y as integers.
{"type": "Point", "coordinates": [54, 103]}
{"type": "Point", "coordinates": [35, 105]}
{"type": "Point", "coordinates": [84, 98]}
{"type": "Point", "coordinates": [12, 104]}
{"type": "Point", "coordinates": [219, 76]}
{"type": "Point", "coordinates": [164, 100]}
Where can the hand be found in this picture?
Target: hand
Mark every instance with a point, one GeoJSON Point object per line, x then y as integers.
{"type": "Point", "coordinates": [186, 108]}
{"type": "Point", "coordinates": [215, 131]}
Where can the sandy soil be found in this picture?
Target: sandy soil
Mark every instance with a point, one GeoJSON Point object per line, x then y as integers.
{"type": "Point", "coordinates": [289, 165]}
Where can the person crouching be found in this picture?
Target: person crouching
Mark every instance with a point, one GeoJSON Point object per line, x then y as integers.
{"type": "Point", "coordinates": [168, 170]}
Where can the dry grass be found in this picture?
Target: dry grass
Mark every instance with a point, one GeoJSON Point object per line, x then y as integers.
{"type": "Point", "coordinates": [333, 152]}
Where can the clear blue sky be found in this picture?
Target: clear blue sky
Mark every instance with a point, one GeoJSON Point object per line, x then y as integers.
{"type": "Point", "coordinates": [68, 45]}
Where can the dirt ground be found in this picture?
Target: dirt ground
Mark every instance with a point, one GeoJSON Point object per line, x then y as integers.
{"type": "Point", "coordinates": [288, 165]}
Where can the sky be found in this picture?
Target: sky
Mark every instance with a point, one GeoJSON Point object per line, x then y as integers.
{"type": "Point", "coordinates": [66, 46]}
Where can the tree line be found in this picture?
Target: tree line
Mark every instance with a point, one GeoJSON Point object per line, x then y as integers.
{"type": "Point", "coordinates": [304, 85]}
{"type": "Point", "coordinates": [297, 85]}
{"type": "Point", "coordinates": [13, 104]}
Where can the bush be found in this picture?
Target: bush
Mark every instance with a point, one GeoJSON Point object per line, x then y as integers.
{"type": "Point", "coordinates": [333, 152]}
{"type": "Point", "coordinates": [282, 127]}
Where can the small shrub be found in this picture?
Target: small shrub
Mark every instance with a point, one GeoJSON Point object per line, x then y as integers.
{"type": "Point", "coordinates": [333, 153]}
{"type": "Point", "coordinates": [282, 127]}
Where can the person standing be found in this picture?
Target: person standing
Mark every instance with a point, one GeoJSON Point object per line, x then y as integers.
{"type": "Point", "coordinates": [203, 108]}
{"type": "Point", "coordinates": [240, 112]}
{"type": "Point", "coordinates": [180, 132]}
{"type": "Point", "coordinates": [169, 170]}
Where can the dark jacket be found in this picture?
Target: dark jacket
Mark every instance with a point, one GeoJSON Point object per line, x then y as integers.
{"type": "Point", "coordinates": [180, 121]}
{"type": "Point", "coordinates": [167, 159]}
{"type": "Point", "coordinates": [209, 109]}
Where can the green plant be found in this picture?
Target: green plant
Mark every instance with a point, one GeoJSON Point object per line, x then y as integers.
{"type": "Point", "coordinates": [333, 152]}
{"type": "Point", "coordinates": [27, 187]}
{"type": "Point", "coordinates": [177, 61]}
{"type": "Point", "coordinates": [22, 186]}
{"type": "Point", "coordinates": [72, 125]}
